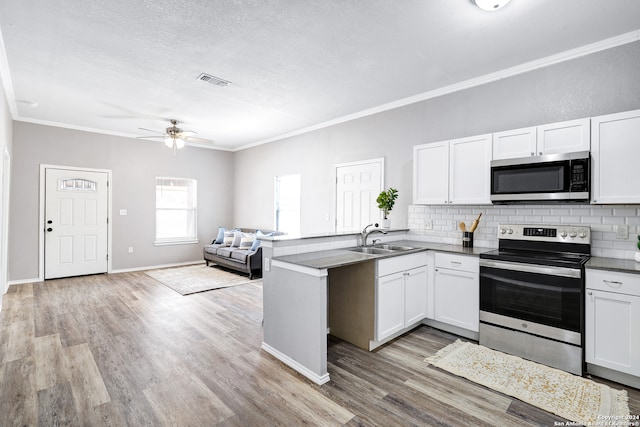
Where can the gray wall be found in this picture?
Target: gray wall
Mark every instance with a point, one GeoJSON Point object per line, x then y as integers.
{"type": "Point", "coordinates": [601, 83]}
{"type": "Point", "coordinates": [134, 165]}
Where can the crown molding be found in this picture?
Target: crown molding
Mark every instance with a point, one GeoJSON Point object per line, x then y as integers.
{"type": "Point", "coordinates": [599, 46]}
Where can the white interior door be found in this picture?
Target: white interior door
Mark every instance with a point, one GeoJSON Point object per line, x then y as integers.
{"type": "Point", "coordinates": [357, 188]}
{"type": "Point", "coordinates": [76, 223]}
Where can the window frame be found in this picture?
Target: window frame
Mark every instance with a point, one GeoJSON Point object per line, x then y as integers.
{"type": "Point", "coordinates": [192, 209]}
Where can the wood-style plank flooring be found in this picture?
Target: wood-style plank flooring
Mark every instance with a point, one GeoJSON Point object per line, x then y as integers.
{"type": "Point", "coordinates": [123, 349]}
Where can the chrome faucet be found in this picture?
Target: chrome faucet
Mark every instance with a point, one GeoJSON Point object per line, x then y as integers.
{"type": "Point", "coordinates": [366, 233]}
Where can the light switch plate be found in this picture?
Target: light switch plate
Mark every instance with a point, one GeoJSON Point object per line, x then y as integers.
{"type": "Point", "coordinates": [622, 232]}
{"type": "Point", "coordinates": [123, 211]}
{"type": "Point", "coordinates": [428, 224]}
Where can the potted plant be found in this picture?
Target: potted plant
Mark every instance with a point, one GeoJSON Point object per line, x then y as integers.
{"type": "Point", "coordinates": [638, 251]}
{"type": "Point", "coordinates": [386, 200]}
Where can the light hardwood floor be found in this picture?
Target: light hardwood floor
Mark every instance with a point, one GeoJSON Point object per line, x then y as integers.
{"type": "Point", "coordinates": [124, 349]}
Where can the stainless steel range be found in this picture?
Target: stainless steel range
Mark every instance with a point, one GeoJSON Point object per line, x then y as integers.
{"type": "Point", "coordinates": [532, 294]}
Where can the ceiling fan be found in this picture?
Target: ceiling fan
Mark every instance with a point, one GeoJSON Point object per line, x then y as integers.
{"type": "Point", "coordinates": [173, 136]}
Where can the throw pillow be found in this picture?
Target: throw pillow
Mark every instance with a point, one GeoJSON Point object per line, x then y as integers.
{"type": "Point", "coordinates": [228, 237]}
{"type": "Point", "coordinates": [256, 242]}
{"type": "Point", "coordinates": [237, 237]}
{"type": "Point", "coordinates": [247, 240]}
{"type": "Point", "coordinates": [220, 238]}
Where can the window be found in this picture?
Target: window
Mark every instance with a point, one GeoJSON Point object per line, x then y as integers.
{"type": "Point", "coordinates": [287, 204]}
{"type": "Point", "coordinates": [176, 210]}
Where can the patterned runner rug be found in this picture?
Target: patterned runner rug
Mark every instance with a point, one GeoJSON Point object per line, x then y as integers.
{"type": "Point", "coordinates": [197, 278]}
{"type": "Point", "coordinates": [568, 396]}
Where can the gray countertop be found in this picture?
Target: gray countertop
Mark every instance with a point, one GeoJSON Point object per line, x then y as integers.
{"type": "Point", "coordinates": [614, 264]}
{"type": "Point", "coordinates": [341, 257]}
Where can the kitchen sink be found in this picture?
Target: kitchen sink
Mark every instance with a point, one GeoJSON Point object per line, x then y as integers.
{"type": "Point", "coordinates": [395, 247]}
{"type": "Point", "coordinates": [372, 250]}
{"type": "Point", "coordinates": [381, 249]}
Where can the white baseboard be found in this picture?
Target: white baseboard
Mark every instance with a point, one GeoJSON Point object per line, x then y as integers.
{"type": "Point", "coordinates": [155, 267]}
{"type": "Point", "coordinates": [318, 379]}
{"type": "Point", "coordinates": [22, 281]}
{"type": "Point", "coordinates": [122, 270]}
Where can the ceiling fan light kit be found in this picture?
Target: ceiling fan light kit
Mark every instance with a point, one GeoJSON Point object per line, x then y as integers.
{"type": "Point", "coordinates": [491, 5]}
{"type": "Point", "coordinates": [173, 136]}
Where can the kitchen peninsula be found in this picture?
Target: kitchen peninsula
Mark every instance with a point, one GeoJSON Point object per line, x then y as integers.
{"type": "Point", "coordinates": [302, 276]}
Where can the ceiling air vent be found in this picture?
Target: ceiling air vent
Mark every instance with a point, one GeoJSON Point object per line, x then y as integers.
{"type": "Point", "coordinates": [217, 81]}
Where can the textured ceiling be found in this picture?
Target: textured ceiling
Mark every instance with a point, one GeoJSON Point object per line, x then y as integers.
{"type": "Point", "coordinates": [114, 66]}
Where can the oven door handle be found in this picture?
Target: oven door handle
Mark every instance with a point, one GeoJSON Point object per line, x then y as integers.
{"type": "Point", "coordinates": [532, 268]}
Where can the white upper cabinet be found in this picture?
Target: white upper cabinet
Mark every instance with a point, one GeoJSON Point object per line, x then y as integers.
{"type": "Point", "coordinates": [456, 171]}
{"type": "Point", "coordinates": [469, 170]}
{"type": "Point", "coordinates": [615, 152]}
{"type": "Point", "coordinates": [431, 173]}
{"type": "Point", "coordinates": [511, 144]}
{"type": "Point", "coordinates": [564, 137]}
{"type": "Point", "coordinates": [554, 138]}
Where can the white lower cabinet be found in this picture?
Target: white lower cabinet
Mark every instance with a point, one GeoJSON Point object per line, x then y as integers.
{"type": "Point", "coordinates": [457, 290]}
{"type": "Point", "coordinates": [401, 297]}
{"type": "Point", "coordinates": [612, 329]}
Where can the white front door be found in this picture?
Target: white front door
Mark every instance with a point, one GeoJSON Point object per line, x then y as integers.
{"type": "Point", "coordinates": [76, 223]}
{"type": "Point", "coordinates": [357, 188]}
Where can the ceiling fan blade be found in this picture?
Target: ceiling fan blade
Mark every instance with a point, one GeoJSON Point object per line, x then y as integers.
{"type": "Point", "coordinates": [151, 130]}
{"type": "Point", "coordinates": [186, 133]}
{"type": "Point", "coordinates": [194, 139]}
{"type": "Point", "coordinates": [151, 137]}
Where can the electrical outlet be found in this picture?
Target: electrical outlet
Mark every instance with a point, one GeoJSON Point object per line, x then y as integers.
{"type": "Point", "coordinates": [267, 264]}
{"type": "Point", "coordinates": [428, 224]}
{"type": "Point", "coordinates": [130, 249]}
{"type": "Point", "coordinates": [622, 232]}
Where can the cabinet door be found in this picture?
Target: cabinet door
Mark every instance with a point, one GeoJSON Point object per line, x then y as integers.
{"type": "Point", "coordinates": [390, 303]}
{"type": "Point", "coordinates": [430, 173]}
{"type": "Point", "coordinates": [470, 170]}
{"type": "Point", "coordinates": [415, 295]}
{"type": "Point", "coordinates": [612, 330]}
{"type": "Point", "coordinates": [615, 152]}
{"type": "Point", "coordinates": [564, 137]}
{"type": "Point", "coordinates": [514, 143]}
{"type": "Point", "coordinates": [457, 298]}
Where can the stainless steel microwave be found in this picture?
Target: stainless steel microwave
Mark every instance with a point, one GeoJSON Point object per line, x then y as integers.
{"type": "Point", "coordinates": [552, 177]}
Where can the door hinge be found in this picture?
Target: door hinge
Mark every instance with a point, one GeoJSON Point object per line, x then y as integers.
{"type": "Point", "coordinates": [107, 257]}
{"type": "Point", "coordinates": [107, 220]}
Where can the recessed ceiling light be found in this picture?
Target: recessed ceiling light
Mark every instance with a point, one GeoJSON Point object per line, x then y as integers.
{"type": "Point", "coordinates": [491, 5]}
{"type": "Point", "coordinates": [29, 104]}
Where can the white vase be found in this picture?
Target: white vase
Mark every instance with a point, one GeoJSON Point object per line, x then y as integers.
{"type": "Point", "coordinates": [638, 256]}
{"type": "Point", "coordinates": [385, 223]}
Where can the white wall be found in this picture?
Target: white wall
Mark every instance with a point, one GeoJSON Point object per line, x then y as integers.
{"type": "Point", "coordinates": [134, 164]}
{"type": "Point", "coordinates": [601, 83]}
{"type": "Point", "coordinates": [6, 144]}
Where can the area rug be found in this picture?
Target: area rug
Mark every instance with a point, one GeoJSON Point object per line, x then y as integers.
{"type": "Point", "coordinates": [569, 396]}
{"type": "Point", "coordinates": [197, 278]}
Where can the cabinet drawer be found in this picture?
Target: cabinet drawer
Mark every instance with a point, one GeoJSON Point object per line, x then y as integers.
{"type": "Point", "coordinates": [613, 281]}
{"type": "Point", "coordinates": [401, 263]}
{"type": "Point", "coordinates": [457, 262]}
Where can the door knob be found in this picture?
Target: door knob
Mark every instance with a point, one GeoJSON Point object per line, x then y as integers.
{"type": "Point", "coordinates": [49, 222]}
{"type": "Point", "coordinates": [49, 229]}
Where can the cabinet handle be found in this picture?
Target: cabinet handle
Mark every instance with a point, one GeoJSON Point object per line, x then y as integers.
{"type": "Point", "coordinates": [532, 153]}
{"type": "Point", "coordinates": [612, 283]}
{"type": "Point", "coordinates": [590, 293]}
{"type": "Point", "coordinates": [456, 262]}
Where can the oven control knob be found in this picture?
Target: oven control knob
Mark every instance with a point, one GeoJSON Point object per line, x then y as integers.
{"type": "Point", "coordinates": [563, 234]}
{"type": "Point", "coordinates": [582, 234]}
{"type": "Point", "coordinates": [573, 234]}
{"type": "Point", "coordinates": [510, 231]}
{"type": "Point", "coordinates": [503, 230]}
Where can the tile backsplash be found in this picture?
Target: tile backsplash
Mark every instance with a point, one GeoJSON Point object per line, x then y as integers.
{"type": "Point", "coordinates": [602, 220]}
